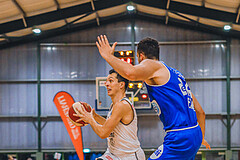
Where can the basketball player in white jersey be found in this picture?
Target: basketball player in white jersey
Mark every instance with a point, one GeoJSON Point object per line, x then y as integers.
{"type": "Point", "coordinates": [120, 126]}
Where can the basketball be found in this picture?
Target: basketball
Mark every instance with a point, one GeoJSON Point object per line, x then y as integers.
{"type": "Point", "coordinates": [73, 110]}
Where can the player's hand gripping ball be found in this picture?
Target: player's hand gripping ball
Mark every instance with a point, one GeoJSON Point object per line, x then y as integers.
{"type": "Point", "coordinates": [74, 110]}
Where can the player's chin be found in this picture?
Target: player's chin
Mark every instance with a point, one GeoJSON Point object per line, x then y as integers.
{"type": "Point", "coordinates": [109, 92]}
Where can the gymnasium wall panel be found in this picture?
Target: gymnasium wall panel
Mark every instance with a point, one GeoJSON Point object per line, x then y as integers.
{"type": "Point", "coordinates": [215, 133]}
{"type": "Point", "coordinates": [84, 91]}
{"type": "Point", "coordinates": [235, 136]}
{"type": "Point", "coordinates": [19, 62]}
{"type": "Point", "coordinates": [55, 136]}
{"type": "Point", "coordinates": [72, 62]}
{"type": "Point", "coordinates": [18, 99]}
{"type": "Point", "coordinates": [195, 60]}
{"type": "Point", "coordinates": [235, 57]}
{"type": "Point", "coordinates": [118, 31]}
{"type": "Point", "coordinates": [17, 134]}
{"type": "Point", "coordinates": [235, 100]}
{"type": "Point", "coordinates": [210, 94]}
{"type": "Point", "coordinates": [235, 72]}
{"type": "Point", "coordinates": [165, 33]}
{"type": "Point", "coordinates": [61, 64]}
{"type": "Point", "coordinates": [150, 131]}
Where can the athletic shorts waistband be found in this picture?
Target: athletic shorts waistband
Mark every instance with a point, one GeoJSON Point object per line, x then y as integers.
{"type": "Point", "coordinates": [181, 129]}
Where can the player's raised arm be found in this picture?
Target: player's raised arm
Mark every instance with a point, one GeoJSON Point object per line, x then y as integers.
{"type": "Point", "coordinates": [138, 72]}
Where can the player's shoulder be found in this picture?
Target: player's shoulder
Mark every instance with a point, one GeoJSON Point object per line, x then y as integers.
{"type": "Point", "coordinates": [152, 63]}
{"type": "Point", "coordinates": [122, 106]}
{"type": "Point", "coordinates": [123, 103]}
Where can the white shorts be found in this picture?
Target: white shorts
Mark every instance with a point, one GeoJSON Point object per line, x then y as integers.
{"type": "Point", "coordinates": [139, 155]}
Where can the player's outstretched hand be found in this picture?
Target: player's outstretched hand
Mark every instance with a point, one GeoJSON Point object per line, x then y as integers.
{"type": "Point", "coordinates": [104, 47]}
{"type": "Point", "coordinates": [205, 143]}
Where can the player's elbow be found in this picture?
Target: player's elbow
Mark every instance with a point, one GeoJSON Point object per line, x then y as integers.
{"type": "Point", "coordinates": [201, 113]}
{"type": "Point", "coordinates": [103, 135]}
{"type": "Point", "coordinates": [131, 75]}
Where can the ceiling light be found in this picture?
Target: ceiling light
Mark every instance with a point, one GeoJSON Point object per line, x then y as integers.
{"type": "Point", "coordinates": [227, 27]}
{"type": "Point", "coordinates": [36, 30]}
{"type": "Point", "coordinates": [130, 8]}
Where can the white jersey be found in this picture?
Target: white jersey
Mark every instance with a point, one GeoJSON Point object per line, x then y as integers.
{"type": "Point", "coordinates": [123, 139]}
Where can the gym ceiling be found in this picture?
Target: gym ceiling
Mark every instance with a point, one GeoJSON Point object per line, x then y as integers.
{"type": "Point", "coordinates": [18, 18]}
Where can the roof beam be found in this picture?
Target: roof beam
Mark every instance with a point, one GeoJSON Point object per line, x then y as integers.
{"type": "Point", "coordinates": [22, 12]}
{"type": "Point", "coordinates": [5, 37]}
{"type": "Point", "coordinates": [61, 30]}
{"type": "Point", "coordinates": [57, 4]}
{"type": "Point", "coordinates": [97, 16]}
{"type": "Point", "coordinates": [184, 17]}
{"type": "Point", "coordinates": [238, 12]}
{"type": "Point", "coordinates": [167, 7]}
{"type": "Point", "coordinates": [72, 22]}
{"type": "Point", "coordinates": [203, 3]}
{"type": "Point", "coordinates": [185, 24]}
{"type": "Point", "coordinates": [190, 9]}
{"type": "Point", "coordinates": [58, 8]}
{"type": "Point", "coordinates": [59, 14]}
{"type": "Point", "coordinates": [19, 7]}
{"type": "Point", "coordinates": [81, 9]}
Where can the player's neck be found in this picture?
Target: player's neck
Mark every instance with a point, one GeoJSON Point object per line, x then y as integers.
{"type": "Point", "coordinates": [117, 97]}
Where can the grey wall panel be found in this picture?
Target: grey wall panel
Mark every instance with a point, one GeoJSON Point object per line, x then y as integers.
{"type": "Point", "coordinates": [150, 134]}
{"type": "Point", "coordinates": [169, 33]}
{"type": "Point", "coordinates": [55, 135]}
{"type": "Point", "coordinates": [198, 60]}
{"type": "Point", "coordinates": [210, 94]}
{"type": "Point", "coordinates": [92, 140]}
{"type": "Point", "coordinates": [18, 99]}
{"type": "Point", "coordinates": [83, 91]}
{"type": "Point", "coordinates": [123, 48]}
{"type": "Point", "coordinates": [235, 100]}
{"type": "Point", "coordinates": [17, 135]}
{"type": "Point", "coordinates": [70, 62]}
{"type": "Point", "coordinates": [235, 136]}
{"type": "Point", "coordinates": [74, 62]}
{"type": "Point", "coordinates": [216, 133]}
{"type": "Point", "coordinates": [19, 62]}
{"type": "Point", "coordinates": [119, 31]}
{"type": "Point", "coordinates": [235, 57]}
{"type": "Point", "coordinates": [82, 62]}
{"type": "Point", "coordinates": [150, 131]}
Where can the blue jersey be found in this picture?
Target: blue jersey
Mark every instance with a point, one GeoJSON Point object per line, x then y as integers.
{"type": "Point", "coordinates": [173, 101]}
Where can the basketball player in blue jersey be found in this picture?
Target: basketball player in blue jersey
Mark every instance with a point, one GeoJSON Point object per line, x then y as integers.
{"type": "Point", "coordinates": [181, 114]}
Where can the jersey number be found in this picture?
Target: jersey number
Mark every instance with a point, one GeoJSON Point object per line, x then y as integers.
{"type": "Point", "coordinates": [186, 92]}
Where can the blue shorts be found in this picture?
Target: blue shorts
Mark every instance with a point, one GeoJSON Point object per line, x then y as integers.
{"type": "Point", "coordinates": [180, 145]}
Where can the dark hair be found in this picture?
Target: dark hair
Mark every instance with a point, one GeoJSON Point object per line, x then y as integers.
{"type": "Point", "coordinates": [149, 47]}
{"type": "Point", "coordinates": [120, 78]}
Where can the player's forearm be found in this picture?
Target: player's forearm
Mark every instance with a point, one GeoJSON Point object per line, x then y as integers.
{"type": "Point", "coordinates": [201, 121]}
{"type": "Point", "coordinates": [99, 119]}
{"type": "Point", "coordinates": [123, 68]}
{"type": "Point", "coordinates": [98, 129]}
